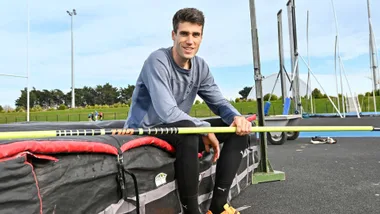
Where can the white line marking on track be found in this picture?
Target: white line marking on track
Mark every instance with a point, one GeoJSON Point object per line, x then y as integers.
{"type": "Point", "coordinates": [242, 208]}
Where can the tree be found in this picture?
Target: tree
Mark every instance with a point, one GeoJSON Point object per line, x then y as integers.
{"type": "Point", "coordinates": [99, 95]}
{"type": "Point", "coordinates": [1, 108]}
{"type": "Point", "coordinates": [22, 100]}
{"type": "Point", "coordinates": [45, 99]}
{"type": "Point", "coordinates": [273, 97]}
{"type": "Point", "coordinates": [57, 97]}
{"type": "Point", "coordinates": [89, 95]}
{"type": "Point", "coordinates": [126, 93]}
{"type": "Point", "coordinates": [316, 93]}
{"type": "Point", "coordinates": [79, 97]}
{"type": "Point", "coordinates": [245, 92]}
{"type": "Point", "coordinates": [106, 94]}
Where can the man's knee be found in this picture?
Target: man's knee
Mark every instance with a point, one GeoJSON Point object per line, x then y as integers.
{"type": "Point", "coordinates": [240, 141]}
{"type": "Point", "coordinates": [184, 123]}
{"type": "Point", "coordinates": [187, 140]}
{"type": "Point", "coordinates": [181, 123]}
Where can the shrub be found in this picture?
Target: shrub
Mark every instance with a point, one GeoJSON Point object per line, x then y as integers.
{"type": "Point", "coordinates": [36, 108]}
{"type": "Point", "coordinates": [20, 109]}
{"type": "Point", "coordinates": [274, 97]}
{"type": "Point", "coordinates": [118, 105]}
{"type": "Point", "coordinates": [62, 107]}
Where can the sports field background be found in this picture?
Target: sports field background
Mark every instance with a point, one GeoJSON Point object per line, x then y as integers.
{"type": "Point", "coordinates": [199, 110]}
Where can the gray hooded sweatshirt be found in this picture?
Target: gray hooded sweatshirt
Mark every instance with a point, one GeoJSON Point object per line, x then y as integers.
{"type": "Point", "coordinates": [164, 92]}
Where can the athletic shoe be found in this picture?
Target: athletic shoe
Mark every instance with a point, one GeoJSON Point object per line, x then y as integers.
{"type": "Point", "coordinates": [227, 210]}
{"type": "Point", "coordinates": [322, 140]}
{"type": "Point", "coordinates": [317, 140]}
{"type": "Point", "coordinates": [331, 140]}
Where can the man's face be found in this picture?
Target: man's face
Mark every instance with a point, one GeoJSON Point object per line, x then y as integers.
{"type": "Point", "coordinates": [187, 39]}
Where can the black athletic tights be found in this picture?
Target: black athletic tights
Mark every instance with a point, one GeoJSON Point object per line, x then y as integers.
{"type": "Point", "coordinates": [187, 165]}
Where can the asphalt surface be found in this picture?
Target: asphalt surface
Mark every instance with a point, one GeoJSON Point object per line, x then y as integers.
{"type": "Point", "coordinates": [328, 179]}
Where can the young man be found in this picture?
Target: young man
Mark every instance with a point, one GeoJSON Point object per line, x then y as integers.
{"type": "Point", "coordinates": [165, 91]}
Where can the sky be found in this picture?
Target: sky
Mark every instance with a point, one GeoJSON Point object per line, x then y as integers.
{"type": "Point", "coordinates": [112, 41]}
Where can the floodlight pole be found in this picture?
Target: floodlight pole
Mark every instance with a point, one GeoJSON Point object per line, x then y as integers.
{"type": "Point", "coordinates": [27, 68]}
{"type": "Point", "coordinates": [71, 14]}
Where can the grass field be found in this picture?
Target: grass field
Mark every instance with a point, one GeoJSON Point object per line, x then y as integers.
{"type": "Point", "coordinates": [199, 110]}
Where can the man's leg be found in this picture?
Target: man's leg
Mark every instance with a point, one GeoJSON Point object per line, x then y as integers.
{"type": "Point", "coordinates": [226, 168]}
{"type": "Point", "coordinates": [186, 166]}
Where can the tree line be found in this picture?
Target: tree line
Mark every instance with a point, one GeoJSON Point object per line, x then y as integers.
{"type": "Point", "coordinates": [107, 95]}
{"type": "Point", "coordinates": [99, 95]}
{"type": "Point", "coordinates": [316, 94]}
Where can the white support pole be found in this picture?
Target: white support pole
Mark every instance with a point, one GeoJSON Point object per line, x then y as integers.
{"type": "Point", "coordinates": [336, 76]}
{"type": "Point", "coordinates": [71, 14]}
{"type": "Point", "coordinates": [340, 61]}
{"type": "Point", "coordinates": [27, 68]}
{"type": "Point", "coordinates": [372, 48]}
{"type": "Point", "coordinates": [320, 85]}
{"type": "Point", "coordinates": [373, 56]}
{"type": "Point", "coordinates": [308, 63]}
{"type": "Point", "coordinates": [12, 75]}
{"type": "Point", "coordinates": [349, 88]}
{"type": "Point", "coordinates": [72, 67]}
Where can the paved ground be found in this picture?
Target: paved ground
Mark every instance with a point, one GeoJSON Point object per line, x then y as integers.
{"type": "Point", "coordinates": [326, 179]}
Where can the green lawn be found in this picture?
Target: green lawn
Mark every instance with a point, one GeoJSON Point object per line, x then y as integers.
{"type": "Point", "coordinates": [200, 110]}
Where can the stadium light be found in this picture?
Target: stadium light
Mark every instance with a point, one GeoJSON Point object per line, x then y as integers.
{"type": "Point", "coordinates": [71, 14]}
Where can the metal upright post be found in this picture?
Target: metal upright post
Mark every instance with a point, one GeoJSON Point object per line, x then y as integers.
{"type": "Point", "coordinates": [297, 97]}
{"type": "Point", "coordinates": [290, 27]}
{"type": "Point", "coordinates": [265, 172]}
{"type": "Point", "coordinates": [373, 58]}
{"type": "Point", "coordinates": [294, 54]}
{"type": "Point", "coordinates": [281, 56]}
{"type": "Point", "coordinates": [258, 83]}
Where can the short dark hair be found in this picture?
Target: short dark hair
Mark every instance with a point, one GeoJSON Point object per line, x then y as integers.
{"type": "Point", "coordinates": [191, 15]}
